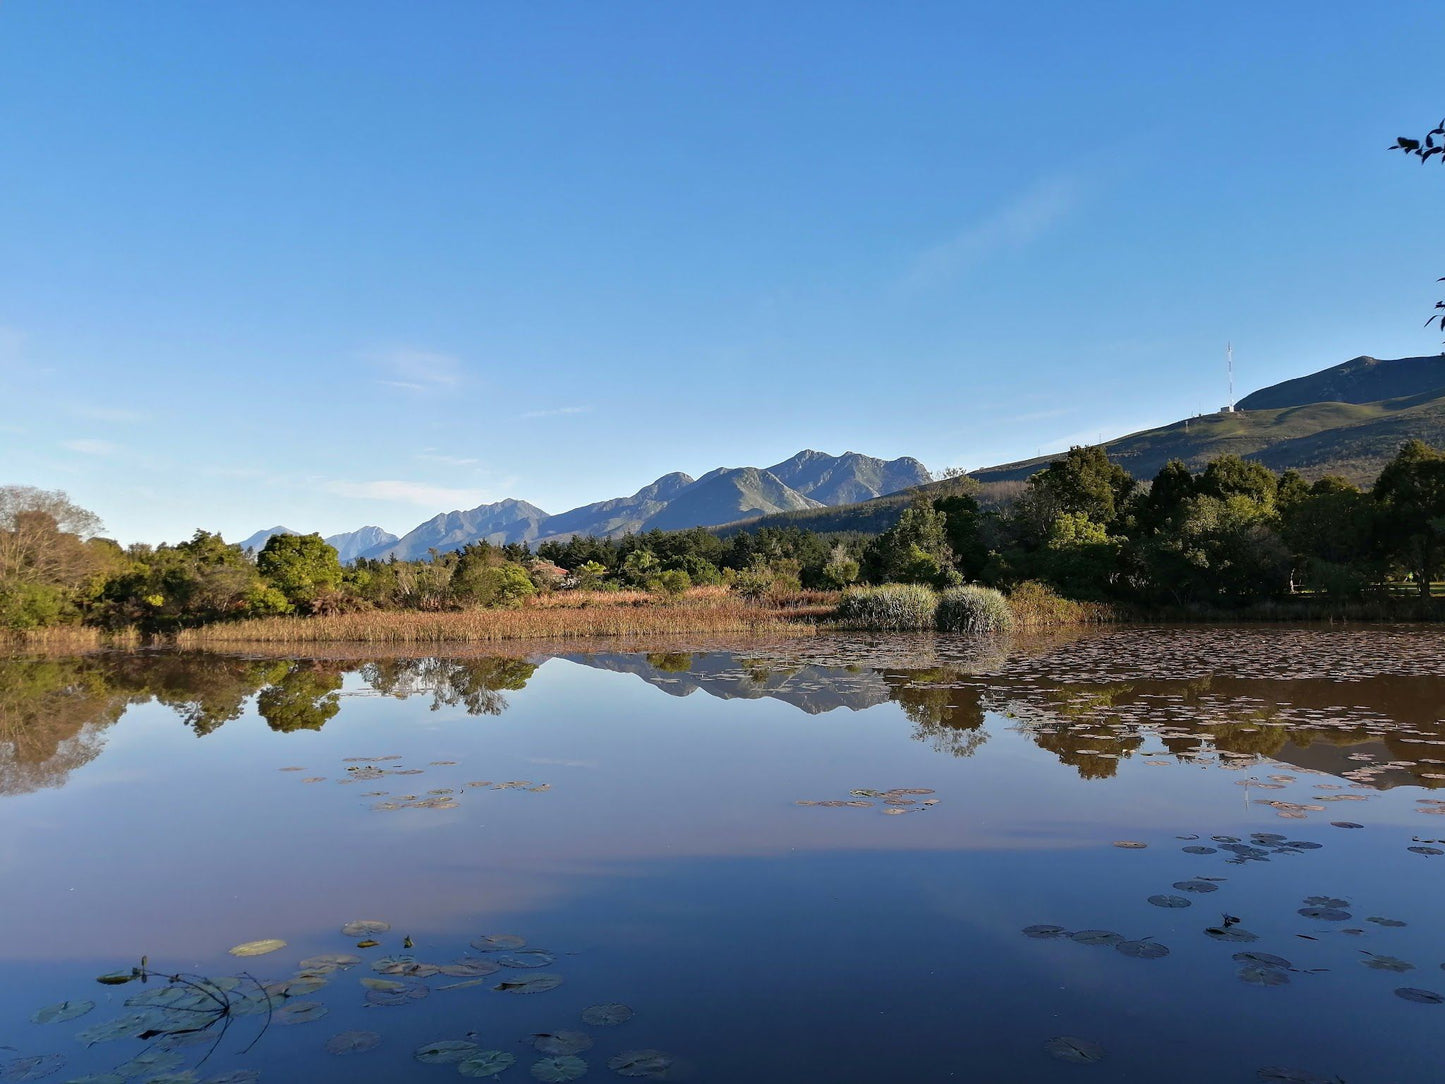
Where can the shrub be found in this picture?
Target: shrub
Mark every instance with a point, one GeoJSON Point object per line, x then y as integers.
{"type": "Point", "coordinates": [892, 607]}
{"type": "Point", "coordinates": [977, 611]}
{"type": "Point", "coordinates": [1038, 606]}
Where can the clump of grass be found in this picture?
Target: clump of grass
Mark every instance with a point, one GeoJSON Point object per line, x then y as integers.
{"type": "Point", "coordinates": [1038, 606]}
{"type": "Point", "coordinates": [891, 607]}
{"type": "Point", "coordinates": [974, 610]}
{"type": "Point", "coordinates": [67, 638]}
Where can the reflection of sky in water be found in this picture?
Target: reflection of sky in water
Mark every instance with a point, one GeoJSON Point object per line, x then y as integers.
{"type": "Point", "coordinates": [761, 940]}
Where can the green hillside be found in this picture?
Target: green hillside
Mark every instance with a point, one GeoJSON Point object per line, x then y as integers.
{"type": "Point", "coordinates": [1279, 426]}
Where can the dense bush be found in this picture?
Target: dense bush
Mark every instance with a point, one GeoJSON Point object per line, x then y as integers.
{"type": "Point", "coordinates": [977, 611]}
{"type": "Point", "coordinates": [891, 607]}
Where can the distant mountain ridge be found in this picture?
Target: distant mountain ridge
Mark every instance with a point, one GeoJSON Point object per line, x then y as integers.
{"type": "Point", "coordinates": [676, 501]}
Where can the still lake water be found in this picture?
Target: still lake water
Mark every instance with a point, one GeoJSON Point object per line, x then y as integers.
{"type": "Point", "coordinates": [668, 832]}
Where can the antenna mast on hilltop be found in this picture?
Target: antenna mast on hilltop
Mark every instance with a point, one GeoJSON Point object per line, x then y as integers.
{"type": "Point", "coordinates": [1229, 364]}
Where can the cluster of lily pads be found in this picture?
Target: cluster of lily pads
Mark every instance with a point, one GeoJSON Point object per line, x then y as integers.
{"type": "Point", "coordinates": [895, 802]}
{"type": "Point", "coordinates": [370, 769]}
{"type": "Point", "coordinates": [184, 1019]}
{"type": "Point", "coordinates": [1255, 967]}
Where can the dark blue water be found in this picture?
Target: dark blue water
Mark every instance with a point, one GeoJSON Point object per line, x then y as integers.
{"type": "Point", "coordinates": [654, 847]}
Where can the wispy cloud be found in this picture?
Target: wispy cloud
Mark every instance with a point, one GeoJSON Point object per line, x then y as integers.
{"type": "Point", "coordinates": [557, 412]}
{"type": "Point", "coordinates": [420, 493]}
{"type": "Point", "coordinates": [418, 370]}
{"type": "Point", "coordinates": [445, 460]}
{"type": "Point", "coordinates": [1011, 227]}
{"type": "Point", "coordinates": [90, 447]}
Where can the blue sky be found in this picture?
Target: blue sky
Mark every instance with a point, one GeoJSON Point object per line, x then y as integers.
{"type": "Point", "coordinates": [332, 264]}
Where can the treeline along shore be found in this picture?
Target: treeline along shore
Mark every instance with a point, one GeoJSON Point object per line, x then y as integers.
{"type": "Point", "coordinates": [1082, 542]}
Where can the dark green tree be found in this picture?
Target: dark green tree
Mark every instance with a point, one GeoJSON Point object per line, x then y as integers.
{"type": "Point", "coordinates": [301, 566]}
{"type": "Point", "coordinates": [1410, 497]}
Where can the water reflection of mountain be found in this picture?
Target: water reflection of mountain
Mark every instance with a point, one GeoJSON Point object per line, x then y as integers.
{"type": "Point", "coordinates": [807, 687]}
{"type": "Point", "coordinates": [1379, 727]}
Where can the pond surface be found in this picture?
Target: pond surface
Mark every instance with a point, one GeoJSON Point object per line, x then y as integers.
{"type": "Point", "coordinates": [810, 861]}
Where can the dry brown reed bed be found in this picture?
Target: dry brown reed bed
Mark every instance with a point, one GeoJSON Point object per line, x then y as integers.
{"type": "Point", "coordinates": [66, 638]}
{"type": "Point", "coordinates": [575, 615]}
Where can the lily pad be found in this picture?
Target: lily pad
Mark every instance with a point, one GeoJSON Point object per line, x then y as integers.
{"type": "Point", "coordinates": [530, 958]}
{"type": "Point", "coordinates": [445, 1052]}
{"type": "Point", "coordinates": [1378, 921]}
{"type": "Point", "coordinates": [1198, 849]}
{"type": "Point", "coordinates": [1325, 901]}
{"type": "Point", "coordinates": [299, 1012]}
{"type": "Point", "coordinates": [62, 1011]}
{"type": "Point", "coordinates": [1264, 959]}
{"type": "Point", "coordinates": [1130, 844]}
{"type": "Point", "coordinates": [258, 948]}
{"type": "Point", "coordinates": [121, 1027]}
{"type": "Point", "coordinates": [558, 1043]}
{"type": "Point", "coordinates": [1073, 1049]}
{"type": "Point", "coordinates": [150, 1062]}
{"type": "Point", "coordinates": [365, 927]}
{"type": "Point", "coordinates": [1142, 950]}
{"type": "Point", "coordinates": [1423, 997]}
{"type": "Point", "coordinates": [469, 969]}
{"type": "Point", "coordinates": [1096, 937]}
{"type": "Point", "coordinates": [352, 1042]}
{"type": "Point", "coordinates": [1325, 914]}
{"type": "Point", "coordinates": [330, 961]}
{"type": "Point", "coordinates": [1260, 975]}
{"type": "Point", "coordinates": [1196, 885]}
{"type": "Point", "coordinates": [1044, 933]}
{"type": "Point", "coordinates": [608, 1014]}
{"type": "Point", "coordinates": [486, 1063]}
{"type": "Point", "coordinates": [1232, 934]}
{"type": "Point", "coordinates": [1346, 824]}
{"type": "Point", "coordinates": [640, 1063]}
{"type": "Point", "coordinates": [559, 1069]}
{"type": "Point", "coordinates": [1386, 963]}
{"type": "Point", "coordinates": [1169, 901]}
{"type": "Point", "coordinates": [536, 984]}
{"type": "Point", "coordinates": [498, 942]}
{"type": "Point", "coordinates": [399, 994]}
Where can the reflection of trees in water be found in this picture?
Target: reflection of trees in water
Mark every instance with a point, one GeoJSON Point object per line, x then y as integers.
{"type": "Point", "coordinates": [54, 711]}
{"type": "Point", "coordinates": [473, 684]}
{"type": "Point", "coordinates": [671, 662]}
{"type": "Point", "coordinates": [947, 716]}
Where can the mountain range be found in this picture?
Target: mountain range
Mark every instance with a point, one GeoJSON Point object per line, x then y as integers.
{"type": "Point", "coordinates": [808, 480]}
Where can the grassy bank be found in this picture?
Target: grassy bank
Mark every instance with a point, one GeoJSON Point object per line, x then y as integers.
{"type": "Point", "coordinates": [67, 638]}
{"type": "Point", "coordinates": [561, 616]}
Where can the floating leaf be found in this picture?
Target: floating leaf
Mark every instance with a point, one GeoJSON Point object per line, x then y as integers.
{"type": "Point", "coordinates": [1260, 975]}
{"type": "Point", "coordinates": [1044, 932]}
{"type": "Point", "coordinates": [352, 1042]}
{"type": "Point", "coordinates": [36, 1068]}
{"type": "Point", "coordinates": [1425, 850]}
{"type": "Point", "coordinates": [1234, 934]}
{"type": "Point", "coordinates": [1324, 914]}
{"type": "Point", "coordinates": [1071, 1048]}
{"type": "Point", "coordinates": [118, 978]}
{"type": "Point", "coordinates": [556, 1070]}
{"type": "Point", "coordinates": [1265, 959]}
{"type": "Point", "coordinates": [1424, 997]}
{"type": "Point", "coordinates": [469, 969]}
{"type": "Point", "coordinates": [1326, 901]}
{"type": "Point", "coordinates": [62, 1011]}
{"type": "Point", "coordinates": [299, 1012]}
{"type": "Point", "coordinates": [1096, 937]}
{"type": "Point", "coordinates": [445, 1051]}
{"type": "Point", "coordinates": [1169, 901]}
{"type": "Point", "coordinates": [150, 1062]}
{"type": "Point", "coordinates": [1278, 1074]}
{"type": "Point", "coordinates": [1346, 824]}
{"type": "Point", "coordinates": [653, 1063]}
{"type": "Point", "coordinates": [528, 959]}
{"type": "Point", "coordinates": [1130, 844]}
{"type": "Point", "coordinates": [1142, 950]}
{"type": "Point", "coordinates": [1386, 963]}
{"type": "Point", "coordinates": [537, 984]}
{"type": "Point", "coordinates": [258, 948]}
{"type": "Point", "coordinates": [486, 1063]}
{"type": "Point", "coordinates": [1378, 921]}
{"type": "Point", "coordinates": [1197, 849]}
{"type": "Point", "coordinates": [392, 995]}
{"type": "Point", "coordinates": [607, 1014]}
{"type": "Point", "coordinates": [364, 927]}
{"type": "Point", "coordinates": [122, 1027]}
{"type": "Point", "coordinates": [498, 942]}
{"type": "Point", "coordinates": [330, 961]}
{"type": "Point", "coordinates": [562, 1042]}
{"type": "Point", "coordinates": [1196, 885]}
